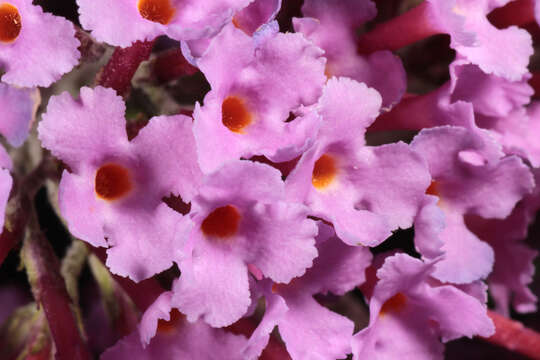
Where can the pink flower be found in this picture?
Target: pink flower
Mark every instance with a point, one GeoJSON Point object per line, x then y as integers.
{"type": "Point", "coordinates": [122, 22]}
{"type": "Point", "coordinates": [416, 314]}
{"type": "Point", "coordinates": [112, 194]}
{"type": "Point", "coordinates": [241, 218]}
{"type": "Point", "coordinates": [365, 192]}
{"type": "Point", "coordinates": [29, 55]}
{"type": "Point", "coordinates": [254, 91]}
{"type": "Point", "coordinates": [470, 176]}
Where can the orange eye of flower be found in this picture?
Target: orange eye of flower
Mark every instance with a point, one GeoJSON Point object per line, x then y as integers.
{"type": "Point", "coordinates": [10, 23]}
{"type": "Point", "coordinates": [235, 114]}
{"type": "Point", "coordinates": [222, 222]}
{"type": "Point", "coordinates": [159, 11]}
{"type": "Point", "coordinates": [165, 327]}
{"type": "Point", "coordinates": [112, 181]}
{"type": "Point", "coordinates": [432, 189]}
{"type": "Point", "coordinates": [395, 304]}
{"type": "Point", "coordinates": [324, 171]}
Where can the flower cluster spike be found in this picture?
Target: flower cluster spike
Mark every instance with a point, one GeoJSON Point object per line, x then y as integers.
{"type": "Point", "coordinates": [262, 179]}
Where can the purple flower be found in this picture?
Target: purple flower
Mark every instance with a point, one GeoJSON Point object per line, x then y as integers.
{"type": "Point", "coordinates": [514, 268]}
{"type": "Point", "coordinates": [26, 49]}
{"type": "Point", "coordinates": [122, 22]}
{"type": "Point", "coordinates": [333, 26]}
{"type": "Point", "coordinates": [470, 176]}
{"type": "Point", "coordinates": [254, 90]}
{"type": "Point", "coordinates": [256, 14]}
{"type": "Point", "coordinates": [18, 112]}
{"type": "Point", "coordinates": [241, 218]}
{"type": "Point", "coordinates": [112, 194]}
{"type": "Point", "coordinates": [175, 337]}
{"type": "Point", "coordinates": [475, 39]}
{"type": "Point", "coordinates": [305, 326]}
{"type": "Point", "coordinates": [408, 315]}
{"type": "Point", "coordinates": [365, 192]}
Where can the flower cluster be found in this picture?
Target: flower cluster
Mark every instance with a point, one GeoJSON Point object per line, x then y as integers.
{"type": "Point", "coordinates": [269, 199]}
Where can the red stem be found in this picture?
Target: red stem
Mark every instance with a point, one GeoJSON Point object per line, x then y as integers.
{"type": "Point", "coordinates": [408, 28]}
{"type": "Point", "coordinates": [16, 219]}
{"type": "Point", "coordinates": [19, 206]}
{"type": "Point", "coordinates": [121, 67]}
{"type": "Point", "coordinates": [519, 12]}
{"type": "Point", "coordinates": [414, 112]}
{"type": "Point", "coordinates": [512, 335]}
{"type": "Point", "coordinates": [50, 291]}
{"type": "Point", "coordinates": [171, 65]}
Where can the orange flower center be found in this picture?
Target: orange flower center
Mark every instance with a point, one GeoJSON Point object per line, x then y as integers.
{"type": "Point", "coordinates": [10, 23]}
{"type": "Point", "coordinates": [222, 222]}
{"type": "Point", "coordinates": [160, 11]}
{"type": "Point", "coordinates": [112, 181]}
{"type": "Point", "coordinates": [166, 327]}
{"type": "Point", "coordinates": [235, 114]}
{"type": "Point", "coordinates": [324, 171]}
{"type": "Point", "coordinates": [432, 189]}
{"type": "Point", "coordinates": [395, 304]}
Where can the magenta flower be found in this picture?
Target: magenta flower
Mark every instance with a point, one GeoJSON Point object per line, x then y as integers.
{"type": "Point", "coordinates": [350, 184]}
{"type": "Point", "coordinates": [123, 22]}
{"type": "Point", "coordinates": [514, 260]}
{"type": "Point", "coordinates": [517, 133]}
{"type": "Point", "coordinates": [471, 34]}
{"type": "Point", "coordinates": [254, 91]}
{"type": "Point", "coordinates": [18, 109]}
{"type": "Point", "coordinates": [474, 38]}
{"type": "Point", "coordinates": [470, 176]}
{"type": "Point", "coordinates": [26, 48]}
{"type": "Point", "coordinates": [416, 314]}
{"type": "Point", "coordinates": [256, 14]}
{"type": "Point", "coordinates": [241, 220]}
{"type": "Point", "coordinates": [306, 326]}
{"type": "Point", "coordinates": [112, 194]}
{"type": "Point", "coordinates": [346, 184]}
{"type": "Point", "coordinates": [333, 26]}
{"type": "Point", "coordinates": [175, 337]}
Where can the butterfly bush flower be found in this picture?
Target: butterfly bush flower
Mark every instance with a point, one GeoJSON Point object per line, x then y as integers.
{"type": "Point", "coordinates": [470, 176]}
{"type": "Point", "coordinates": [514, 267]}
{"type": "Point", "coordinates": [259, 12]}
{"type": "Point", "coordinates": [488, 40]}
{"type": "Point", "coordinates": [332, 26]}
{"type": "Point", "coordinates": [305, 326]}
{"type": "Point", "coordinates": [471, 98]}
{"type": "Point", "coordinates": [517, 133]}
{"type": "Point", "coordinates": [365, 192]}
{"type": "Point", "coordinates": [112, 193]}
{"type": "Point", "coordinates": [254, 90]}
{"type": "Point", "coordinates": [260, 214]}
{"type": "Point", "coordinates": [17, 112]}
{"type": "Point", "coordinates": [18, 108]}
{"type": "Point", "coordinates": [123, 22]}
{"type": "Point", "coordinates": [408, 315]}
{"type": "Point", "coordinates": [175, 337]}
{"type": "Point", "coordinates": [250, 19]}
{"type": "Point", "coordinates": [25, 47]}
{"type": "Point", "coordinates": [471, 34]}
{"type": "Point", "coordinates": [490, 95]}
{"type": "Point", "coordinates": [241, 220]}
